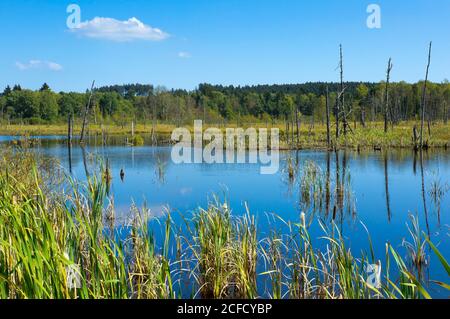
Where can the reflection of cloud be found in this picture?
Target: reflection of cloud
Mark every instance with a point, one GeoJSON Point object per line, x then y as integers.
{"type": "Point", "coordinates": [119, 31]}
{"type": "Point", "coordinates": [37, 64]}
{"type": "Point", "coordinates": [123, 213]}
{"type": "Point", "coordinates": [185, 191]}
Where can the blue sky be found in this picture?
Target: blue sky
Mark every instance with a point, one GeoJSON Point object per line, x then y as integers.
{"type": "Point", "coordinates": [235, 42]}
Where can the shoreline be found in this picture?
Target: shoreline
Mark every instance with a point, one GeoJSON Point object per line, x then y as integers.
{"type": "Point", "coordinates": [310, 138]}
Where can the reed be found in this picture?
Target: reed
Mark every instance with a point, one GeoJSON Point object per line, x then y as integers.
{"type": "Point", "coordinates": [55, 245]}
{"type": "Point", "coordinates": [225, 251]}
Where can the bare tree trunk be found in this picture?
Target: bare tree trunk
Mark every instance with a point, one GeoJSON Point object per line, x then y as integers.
{"type": "Point", "coordinates": [424, 96]}
{"type": "Point", "coordinates": [342, 101]}
{"type": "Point", "coordinates": [386, 97]}
{"type": "Point", "coordinates": [415, 137]}
{"type": "Point", "coordinates": [336, 115]}
{"type": "Point", "coordinates": [69, 129]}
{"type": "Point", "coordinates": [363, 115]}
{"type": "Point", "coordinates": [293, 128]}
{"type": "Point", "coordinates": [298, 126]}
{"type": "Point", "coordinates": [286, 129]}
{"type": "Point", "coordinates": [328, 119]}
{"type": "Point", "coordinates": [86, 114]}
{"type": "Point", "coordinates": [445, 113]}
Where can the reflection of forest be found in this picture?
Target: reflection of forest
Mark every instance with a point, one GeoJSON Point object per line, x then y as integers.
{"type": "Point", "coordinates": [328, 192]}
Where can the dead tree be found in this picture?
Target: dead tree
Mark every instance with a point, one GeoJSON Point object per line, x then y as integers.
{"type": "Point", "coordinates": [445, 118]}
{"type": "Point", "coordinates": [342, 100]}
{"type": "Point", "coordinates": [328, 118]}
{"type": "Point", "coordinates": [86, 114]}
{"type": "Point", "coordinates": [298, 126]}
{"type": "Point", "coordinates": [386, 97]}
{"type": "Point", "coordinates": [424, 92]}
{"type": "Point", "coordinates": [69, 129]}
{"type": "Point", "coordinates": [336, 116]}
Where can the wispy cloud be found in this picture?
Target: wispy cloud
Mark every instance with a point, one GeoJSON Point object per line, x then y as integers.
{"type": "Point", "coordinates": [38, 64]}
{"type": "Point", "coordinates": [119, 31]}
{"type": "Point", "coordinates": [184, 55]}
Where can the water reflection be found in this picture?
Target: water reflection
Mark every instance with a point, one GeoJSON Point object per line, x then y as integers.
{"type": "Point", "coordinates": [323, 197]}
{"type": "Point", "coordinates": [378, 189]}
{"type": "Point", "coordinates": [386, 183]}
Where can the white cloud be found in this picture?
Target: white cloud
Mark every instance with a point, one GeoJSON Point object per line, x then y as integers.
{"type": "Point", "coordinates": [38, 64]}
{"type": "Point", "coordinates": [119, 31]}
{"type": "Point", "coordinates": [184, 55]}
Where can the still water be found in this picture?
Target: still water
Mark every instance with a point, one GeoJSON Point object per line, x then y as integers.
{"type": "Point", "coordinates": [380, 190]}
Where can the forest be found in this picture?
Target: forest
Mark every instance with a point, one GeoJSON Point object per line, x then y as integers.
{"type": "Point", "coordinates": [121, 104]}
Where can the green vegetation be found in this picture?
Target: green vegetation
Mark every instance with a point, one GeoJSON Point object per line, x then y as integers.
{"type": "Point", "coordinates": [137, 140]}
{"type": "Point", "coordinates": [370, 137]}
{"type": "Point", "coordinates": [45, 235]}
{"type": "Point", "coordinates": [300, 111]}
{"type": "Point", "coordinates": [119, 105]}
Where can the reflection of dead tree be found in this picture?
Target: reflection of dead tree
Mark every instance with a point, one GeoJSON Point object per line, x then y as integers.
{"type": "Point", "coordinates": [69, 148]}
{"type": "Point", "coordinates": [339, 193]}
{"type": "Point", "coordinates": [437, 192]}
{"type": "Point", "coordinates": [424, 193]}
{"type": "Point", "coordinates": [83, 152]}
{"type": "Point", "coordinates": [386, 185]}
{"type": "Point", "coordinates": [69, 139]}
{"type": "Point", "coordinates": [86, 114]}
{"type": "Point", "coordinates": [327, 187]}
{"type": "Point", "coordinates": [161, 166]}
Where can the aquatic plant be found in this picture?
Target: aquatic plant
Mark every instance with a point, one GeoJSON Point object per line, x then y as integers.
{"type": "Point", "coordinates": [137, 140]}
{"type": "Point", "coordinates": [56, 246]}
{"type": "Point", "coordinates": [225, 252]}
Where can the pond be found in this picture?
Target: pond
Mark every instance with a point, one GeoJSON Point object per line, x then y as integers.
{"type": "Point", "coordinates": [379, 189]}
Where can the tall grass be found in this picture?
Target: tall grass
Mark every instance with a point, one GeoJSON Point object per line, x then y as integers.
{"type": "Point", "coordinates": [225, 252]}
{"type": "Point", "coordinates": [57, 245]}
{"type": "Point", "coordinates": [43, 239]}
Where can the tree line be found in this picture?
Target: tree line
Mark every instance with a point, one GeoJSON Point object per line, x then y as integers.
{"type": "Point", "coordinates": [121, 104]}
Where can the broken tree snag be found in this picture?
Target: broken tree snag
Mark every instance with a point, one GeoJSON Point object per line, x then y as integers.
{"type": "Point", "coordinates": [424, 92]}
{"type": "Point", "coordinates": [386, 97]}
{"type": "Point", "coordinates": [328, 118]}
{"type": "Point", "coordinates": [298, 126]}
{"type": "Point", "coordinates": [415, 138]}
{"type": "Point", "coordinates": [69, 129]}
{"type": "Point", "coordinates": [336, 116]}
{"type": "Point", "coordinates": [341, 100]}
{"type": "Point", "coordinates": [86, 114]}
